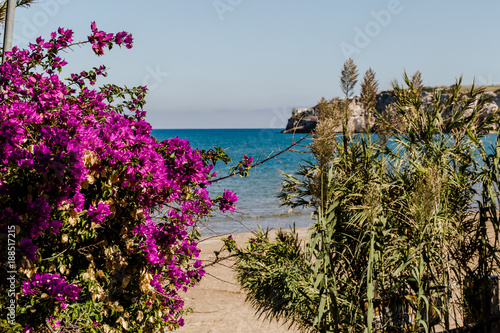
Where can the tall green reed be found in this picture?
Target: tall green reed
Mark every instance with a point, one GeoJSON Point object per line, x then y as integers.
{"type": "Point", "coordinates": [398, 222]}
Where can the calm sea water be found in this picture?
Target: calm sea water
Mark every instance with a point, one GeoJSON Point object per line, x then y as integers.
{"type": "Point", "coordinates": [257, 204]}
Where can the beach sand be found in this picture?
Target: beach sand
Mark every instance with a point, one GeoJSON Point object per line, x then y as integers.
{"type": "Point", "coordinates": [218, 303]}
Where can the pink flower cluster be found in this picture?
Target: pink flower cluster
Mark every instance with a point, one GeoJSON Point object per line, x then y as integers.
{"type": "Point", "coordinates": [54, 285]}
{"type": "Point", "coordinates": [99, 213]}
{"type": "Point", "coordinates": [228, 200]}
{"type": "Point", "coordinates": [100, 39]}
{"type": "Point", "coordinates": [61, 132]}
{"type": "Point", "coordinates": [243, 166]}
{"type": "Point", "coordinates": [247, 161]}
{"type": "Point", "coordinates": [68, 154]}
{"type": "Point", "coordinates": [28, 248]}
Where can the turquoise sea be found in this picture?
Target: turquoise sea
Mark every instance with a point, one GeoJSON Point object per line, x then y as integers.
{"type": "Point", "coordinates": [257, 204]}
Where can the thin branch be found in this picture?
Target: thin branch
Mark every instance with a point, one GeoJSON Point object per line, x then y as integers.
{"type": "Point", "coordinates": [218, 260]}
{"type": "Point", "coordinates": [211, 237]}
{"type": "Point", "coordinates": [299, 151]}
{"type": "Point", "coordinates": [215, 277]}
{"type": "Point", "coordinates": [86, 247]}
{"type": "Point", "coordinates": [57, 255]}
{"type": "Point", "coordinates": [49, 326]}
{"type": "Point", "coordinates": [265, 160]}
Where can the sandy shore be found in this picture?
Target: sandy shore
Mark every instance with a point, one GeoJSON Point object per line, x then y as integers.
{"type": "Point", "coordinates": [218, 303]}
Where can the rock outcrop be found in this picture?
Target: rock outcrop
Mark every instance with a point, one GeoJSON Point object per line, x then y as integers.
{"type": "Point", "coordinates": [305, 120]}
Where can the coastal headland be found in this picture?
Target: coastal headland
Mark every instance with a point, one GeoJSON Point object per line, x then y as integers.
{"type": "Point", "coordinates": [304, 120]}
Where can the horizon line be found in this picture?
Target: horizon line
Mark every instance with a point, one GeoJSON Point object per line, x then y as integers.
{"type": "Point", "coordinates": [221, 128]}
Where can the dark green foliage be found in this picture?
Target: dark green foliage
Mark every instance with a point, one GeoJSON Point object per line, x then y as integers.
{"type": "Point", "coordinates": [393, 223]}
{"type": "Point", "coordinates": [276, 277]}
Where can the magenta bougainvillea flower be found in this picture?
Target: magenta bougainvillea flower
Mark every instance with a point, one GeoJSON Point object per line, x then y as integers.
{"type": "Point", "coordinates": [227, 201]}
{"type": "Point", "coordinates": [28, 248]}
{"type": "Point", "coordinates": [247, 161]}
{"type": "Point", "coordinates": [84, 181]}
{"type": "Point", "coordinates": [53, 285]}
{"type": "Point", "coordinates": [97, 214]}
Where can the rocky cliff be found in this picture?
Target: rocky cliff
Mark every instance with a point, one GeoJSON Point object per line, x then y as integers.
{"type": "Point", "coordinates": [305, 121]}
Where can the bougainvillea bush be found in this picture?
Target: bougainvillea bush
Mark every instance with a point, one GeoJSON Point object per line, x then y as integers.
{"type": "Point", "coordinates": [80, 177]}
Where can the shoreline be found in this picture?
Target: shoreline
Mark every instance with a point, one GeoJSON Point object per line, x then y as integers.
{"type": "Point", "coordinates": [218, 302]}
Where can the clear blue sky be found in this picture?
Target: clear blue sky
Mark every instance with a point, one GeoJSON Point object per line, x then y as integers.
{"type": "Point", "coordinates": [247, 63]}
